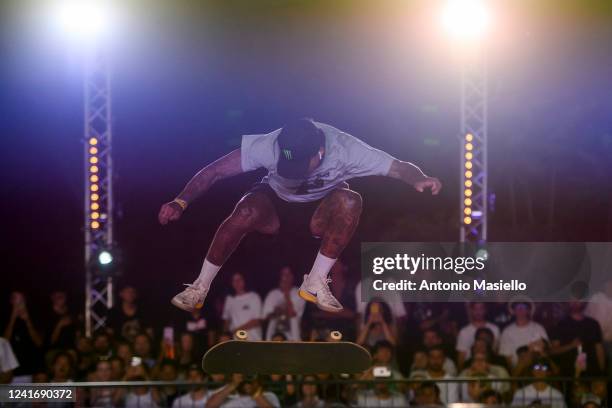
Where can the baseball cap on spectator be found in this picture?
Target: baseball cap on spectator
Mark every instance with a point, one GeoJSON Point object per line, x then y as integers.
{"type": "Point", "coordinates": [521, 301]}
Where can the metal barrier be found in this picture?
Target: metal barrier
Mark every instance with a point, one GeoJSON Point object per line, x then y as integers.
{"type": "Point", "coordinates": [322, 391]}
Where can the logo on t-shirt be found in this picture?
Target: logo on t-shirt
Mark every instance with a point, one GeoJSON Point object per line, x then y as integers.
{"type": "Point", "coordinates": [315, 183]}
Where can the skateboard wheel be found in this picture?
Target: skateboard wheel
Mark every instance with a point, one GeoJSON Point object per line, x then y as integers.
{"type": "Point", "coordinates": [335, 335]}
{"type": "Point", "coordinates": [240, 335]}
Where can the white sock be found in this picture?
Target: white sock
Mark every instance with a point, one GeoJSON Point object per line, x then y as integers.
{"type": "Point", "coordinates": [322, 265]}
{"type": "Point", "coordinates": [207, 274]}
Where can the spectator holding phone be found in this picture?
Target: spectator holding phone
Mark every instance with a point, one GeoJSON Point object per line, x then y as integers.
{"type": "Point", "coordinates": [378, 325]}
{"type": "Point", "coordinates": [283, 308]}
{"type": "Point", "coordinates": [577, 343]}
{"type": "Point", "coordinates": [25, 338]}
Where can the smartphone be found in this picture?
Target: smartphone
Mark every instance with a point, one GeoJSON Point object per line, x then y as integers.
{"type": "Point", "coordinates": [374, 308]}
{"type": "Point", "coordinates": [169, 342]}
{"type": "Point", "coordinates": [381, 372]}
{"type": "Point", "coordinates": [169, 335]}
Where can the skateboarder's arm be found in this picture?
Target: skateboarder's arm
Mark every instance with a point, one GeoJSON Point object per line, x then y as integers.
{"type": "Point", "coordinates": [227, 166]}
{"type": "Point", "coordinates": [412, 175]}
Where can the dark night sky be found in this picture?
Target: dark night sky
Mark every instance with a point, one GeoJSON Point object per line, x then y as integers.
{"type": "Point", "coordinates": [190, 77]}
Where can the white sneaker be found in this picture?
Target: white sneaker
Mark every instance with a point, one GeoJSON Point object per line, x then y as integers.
{"type": "Point", "coordinates": [316, 290]}
{"type": "Point", "coordinates": [191, 299]}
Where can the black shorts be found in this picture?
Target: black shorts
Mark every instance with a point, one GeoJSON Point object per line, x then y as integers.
{"type": "Point", "coordinates": [294, 217]}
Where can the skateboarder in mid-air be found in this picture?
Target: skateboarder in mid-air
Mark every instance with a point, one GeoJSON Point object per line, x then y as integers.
{"type": "Point", "coordinates": [308, 164]}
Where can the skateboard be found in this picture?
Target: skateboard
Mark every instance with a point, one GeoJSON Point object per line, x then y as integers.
{"type": "Point", "coordinates": [286, 357]}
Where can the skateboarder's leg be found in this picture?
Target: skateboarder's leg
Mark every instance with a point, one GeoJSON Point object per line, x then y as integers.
{"type": "Point", "coordinates": [335, 221]}
{"type": "Point", "coordinates": [254, 212]}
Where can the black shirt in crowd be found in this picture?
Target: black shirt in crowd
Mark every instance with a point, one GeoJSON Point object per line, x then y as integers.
{"type": "Point", "coordinates": [589, 333]}
{"type": "Point", "coordinates": [29, 356]}
{"type": "Point", "coordinates": [124, 326]}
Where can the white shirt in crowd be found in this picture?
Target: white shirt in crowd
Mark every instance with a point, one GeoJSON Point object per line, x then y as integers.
{"type": "Point", "coordinates": [187, 401]}
{"type": "Point", "coordinates": [317, 403]}
{"type": "Point", "coordinates": [136, 401]}
{"type": "Point", "coordinates": [369, 399]}
{"type": "Point", "coordinates": [275, 299]}
{"type": "Point", "coordinates": [600, 309]}
{"type": "Point", "coordinates": [240, 309]}
{"type": "Point", "coordinates": [391, 297]}
{"type": "Point", "coordinates": [345, 157]}
{"type": "Point", "coordinates": [245, 401]}
{"type": "Point", "coordinates": [548, 397]}
{"type": "Point", "coordinates": [8, 361]}
{"type": "Point", "coordinates": [515, 336]}
{"type": "Point", "coordinates": [465, 339]}
{"type": "Point", "coordinates": [449, 391]}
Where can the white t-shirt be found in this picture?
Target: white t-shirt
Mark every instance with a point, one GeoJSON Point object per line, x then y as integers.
{"type": "Point", "coordinates": [549, 397]}
{"type": "Point", "coordinates": [391, 298]}
{"type": "Point", "coordinates": [240, 309]}
{"type": "Point", "coordinates": [275, 299]}
{"type": "Point", "coordinates": [515, 336]}
{"type": "Point", "coordinates": [135, 401]}
{"type": "Point", "coordinates": [244, 401]}
{"type": "Point", "coordinates": [369, 399]}
{"type": "Point", "coordinates": [449, 391]}
{"type": "Point", "coordinates": [345, 157]}
{"type": "Point", "coordinates": [187, 401]}
{"type": "Point", "coordinates": [8, 361]}
{"type": "Point", "coordinates": [465, 339]}
{"type": "Point", "coordinates": [600, 309]}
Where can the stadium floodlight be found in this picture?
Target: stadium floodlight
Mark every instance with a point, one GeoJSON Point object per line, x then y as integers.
{"type": "Point", "coordinates": [466, 19]}
{"type": "Point", "coordinates": [84, 19]}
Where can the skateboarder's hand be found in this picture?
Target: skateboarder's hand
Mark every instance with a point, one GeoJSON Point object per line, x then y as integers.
{"type": "Point", "coordinates": [428, 183]}
{"type": "Point", "coordinates": [171, 211]}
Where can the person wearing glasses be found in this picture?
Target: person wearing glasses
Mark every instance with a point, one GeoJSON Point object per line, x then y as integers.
{"type": "Point", "coordinates": [540, 391]}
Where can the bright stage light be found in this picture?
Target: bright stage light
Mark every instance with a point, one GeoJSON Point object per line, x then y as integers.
{"type": "Point", "coordinates": [466, 19]}
{"type": "Point", "coordinates": [105, 258]}
{"type": "Point", "coordinates": [84, 19]}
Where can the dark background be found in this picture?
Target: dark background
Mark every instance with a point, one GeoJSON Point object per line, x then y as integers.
{"type": "Point", "coordinates": [190, 77]}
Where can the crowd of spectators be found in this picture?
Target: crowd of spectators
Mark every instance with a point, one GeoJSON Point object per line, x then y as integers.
{"type": "Point", "coordinates": [513, 353]}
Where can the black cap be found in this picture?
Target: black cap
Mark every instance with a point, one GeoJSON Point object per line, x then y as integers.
{"type": "Point", "coordinates": [298, 141]}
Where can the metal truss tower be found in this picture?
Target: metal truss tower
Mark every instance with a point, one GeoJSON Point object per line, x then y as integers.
{"type": "Point", "coordinates": [98, 169]}
{"type": "Point", "coordinates": [474, 105]}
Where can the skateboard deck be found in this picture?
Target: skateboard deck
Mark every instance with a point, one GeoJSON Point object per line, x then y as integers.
{"type": "Point", "coordinates": [286, 357]}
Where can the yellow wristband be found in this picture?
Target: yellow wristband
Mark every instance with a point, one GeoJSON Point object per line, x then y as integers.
{"type": "Point", "coordinates": [181, 203]}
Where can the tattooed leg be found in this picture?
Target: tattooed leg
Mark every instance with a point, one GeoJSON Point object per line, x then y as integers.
{"type": "Point", "coordinates": [254, 212]}
{"type": "Point", "coordinates": [335, 220]}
